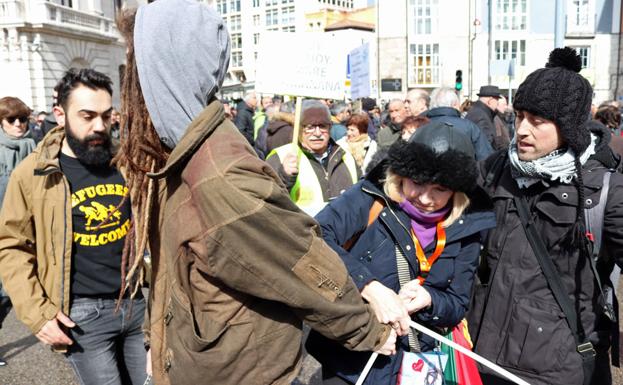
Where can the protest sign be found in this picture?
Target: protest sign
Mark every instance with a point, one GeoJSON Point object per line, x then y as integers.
{"type": "Point", "coordinates": [300, 64]}
{"type": "Point", "coordinates": [360, 72]}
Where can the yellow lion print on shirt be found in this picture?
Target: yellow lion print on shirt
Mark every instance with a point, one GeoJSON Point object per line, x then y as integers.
{"type": "Point", "coordinates": [99, 213]}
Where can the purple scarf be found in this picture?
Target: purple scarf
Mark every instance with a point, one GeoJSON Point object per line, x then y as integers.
{"type": "Point", "coordinates": [424, 224]}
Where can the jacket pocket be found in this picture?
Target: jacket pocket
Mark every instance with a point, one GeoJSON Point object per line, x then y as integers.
{"type": "Point", "coordinates": [201, 346]}
{"type": "Point", "coordinates": [200, 331]}
{"type": "Point", "coordinates": [538, 338]}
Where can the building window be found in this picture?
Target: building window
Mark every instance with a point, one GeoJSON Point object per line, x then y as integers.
{"type": "Point", "coordinates": [236, 41]}
{"type": "Point", "coordinates": [579, 13]}
{"type": "Point", "coordinates": [236, 59]}
{"type": "Point", "coordinates": [272, 17]}
{"type": "Point", "coordinates": [425, 64]}
{"type": "Point", "coordinates": [256, 3]}
{"type": "Point", "coordinates": [255, 55]}
{"type": "Point", "coordinates": [256, 38]}
{"type": "Point", "coordinates": [234, 23]}
{"type": "Point", "coordinates": [585, 55]}
{"type": "Point", "coordinates": [581, 17]}
{"type": "Point", "coordinates": [234, 6]}
{"type": "Point", "coordinates": [289, 29]}
{"type": "Point", "coordinates": [424, 16]}
{"type": "Point", "coordinates": [511, 15]}
{"type": "Point", "coordinates": [270, 3]}
{"type": "Point", "coordinates": [511, 50]}
{"type": "Point", "coordinates": [287, 1]}
{"type": "Point", "coordinates": [221, 6]}
{"type": "Point", "coordinates": [256, 20]}
{"type": "Point", "coordinates": [287, 15]}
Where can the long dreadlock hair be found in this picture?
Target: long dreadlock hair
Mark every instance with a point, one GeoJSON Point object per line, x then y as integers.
{"type": "Point", "coordinates": [140, 152]}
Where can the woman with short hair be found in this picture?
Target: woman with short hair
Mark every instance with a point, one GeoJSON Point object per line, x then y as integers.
{"type": "Point", "coordinates": [357, 142]}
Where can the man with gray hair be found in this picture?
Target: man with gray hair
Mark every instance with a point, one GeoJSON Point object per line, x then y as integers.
{"type": "Point", "coordinates": [417, 101]}
{"type": "Point", "coordinates": [483, 112]}
{"type": "Point", "coordinates": [445, 108]}
{"type": "Point", "coordinates": [340, 113]}
{"type": "Point", "coordinates": [244, 117]}
{"type": "Point", "coordinates": [320, 169]}
{"type": "Point", "coordinates": [391, 132]}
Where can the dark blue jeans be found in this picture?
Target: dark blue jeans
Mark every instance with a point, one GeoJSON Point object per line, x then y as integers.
{"type": "Point", "coordinates": [108, 347]}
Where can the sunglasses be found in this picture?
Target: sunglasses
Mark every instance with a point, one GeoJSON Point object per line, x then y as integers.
{"type": "Point", "coordinates": [22, 119]}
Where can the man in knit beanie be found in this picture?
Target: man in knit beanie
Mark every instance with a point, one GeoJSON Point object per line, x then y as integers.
{"type": "Point", "coordinates": [555, 329]}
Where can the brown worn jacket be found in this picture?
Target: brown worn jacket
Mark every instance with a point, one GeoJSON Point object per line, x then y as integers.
{"type": "Point", "coordinates": [237, 268]}
{"type": "Point", "coordinates": [36, 236]}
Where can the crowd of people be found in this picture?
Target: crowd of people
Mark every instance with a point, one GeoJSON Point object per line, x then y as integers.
{"type": "Point", "coordinates": [426, 208]}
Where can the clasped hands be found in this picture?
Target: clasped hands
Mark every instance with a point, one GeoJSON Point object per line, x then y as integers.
{"type": "Point", "coordinates": [394, 309]}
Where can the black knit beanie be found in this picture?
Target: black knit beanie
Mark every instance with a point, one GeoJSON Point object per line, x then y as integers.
{"type": "Point", "coordinates": [560, 94]}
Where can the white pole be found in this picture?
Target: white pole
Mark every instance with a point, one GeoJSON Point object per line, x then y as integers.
{"type": "Point", "coordinates": [366, 369]}
{"type": "Point", "coordinates": [468, 353]}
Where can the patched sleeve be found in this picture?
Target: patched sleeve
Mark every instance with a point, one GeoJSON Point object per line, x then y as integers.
{"type": "Point", "coordinates": [263, 245]}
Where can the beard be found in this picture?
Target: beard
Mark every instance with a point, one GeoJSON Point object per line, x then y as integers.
{"type": "Point", "coordinates": [93, 150]}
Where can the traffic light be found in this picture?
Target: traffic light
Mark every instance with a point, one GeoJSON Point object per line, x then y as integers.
{"type": "Point", "coordinates": [458, 82]}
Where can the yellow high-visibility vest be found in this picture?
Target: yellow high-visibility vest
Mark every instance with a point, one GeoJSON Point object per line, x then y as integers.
{"type": "Point", "coordinates": [306, 192]}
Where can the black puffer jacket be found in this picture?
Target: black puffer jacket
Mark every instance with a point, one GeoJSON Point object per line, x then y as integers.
{"type": "Point", "coordinates": [244, 121]}
{"type": "Point", "coordinates": [514, 319]}
{"type": "Point", "coordinates": [483, 116]}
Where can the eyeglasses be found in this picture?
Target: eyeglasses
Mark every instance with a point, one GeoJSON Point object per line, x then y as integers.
{"type": "Point", "coordinates": [311, 128]}
{"type": "Point", "coordinates": [12, 119]}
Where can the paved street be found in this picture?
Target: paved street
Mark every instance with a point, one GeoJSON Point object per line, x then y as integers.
{"type": "Point", "coordinates": [31, 363]}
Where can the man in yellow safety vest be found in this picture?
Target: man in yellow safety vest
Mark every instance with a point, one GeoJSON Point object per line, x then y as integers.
{"type": "Point", "coordinates": [318, 169]}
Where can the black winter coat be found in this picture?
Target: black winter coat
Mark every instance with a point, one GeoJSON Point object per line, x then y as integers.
{"type": "Point", "coordinates": [514, 319]}
{"type": "Point", "coordinates": [373, 257]}
{"type": "Point", "coordinates": [244, 121]}
{"type": "Point", "coordinates": [483, 116]}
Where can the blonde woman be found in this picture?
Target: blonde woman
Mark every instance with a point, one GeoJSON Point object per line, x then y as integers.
{"type": "Point", "coordinates": [432, 216]}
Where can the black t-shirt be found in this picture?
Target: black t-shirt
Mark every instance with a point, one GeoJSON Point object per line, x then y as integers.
{"type": "Point", "coordinates": [99, 229]}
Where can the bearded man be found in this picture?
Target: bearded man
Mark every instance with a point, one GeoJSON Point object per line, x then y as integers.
{"type": "Point", "coordinates": [62, 231]}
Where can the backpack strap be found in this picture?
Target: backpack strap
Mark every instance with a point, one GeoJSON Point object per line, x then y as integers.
{"type": "Point", "coordinates": [375, 211]}
{"type": "Point", "coordinates": [583, 346]}
{"type": "Point", "coordinates": [607, 300]}
{"type": "Point", "coordinates": [594, 229]}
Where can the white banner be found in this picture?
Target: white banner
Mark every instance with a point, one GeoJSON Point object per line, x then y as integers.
{"type": "Point", "coordinates": [360, 72]}
{"type": "Point", "coordinates": [300, 64]}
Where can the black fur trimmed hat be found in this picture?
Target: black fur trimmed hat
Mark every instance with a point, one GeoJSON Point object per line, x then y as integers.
{"type": "Point", "coordinates": [560, 94]}
{"type": "Point", "coordinates": [436, 153]}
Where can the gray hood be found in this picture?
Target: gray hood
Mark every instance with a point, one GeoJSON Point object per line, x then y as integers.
{"type": "Point", "coordinates": [182, 54]}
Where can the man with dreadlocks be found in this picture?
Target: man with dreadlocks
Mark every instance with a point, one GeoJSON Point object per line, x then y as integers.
{"type": "Point", "coordinates": [237, 266]}
{"type": "Point", "coordinates": [541, 310]}
{"type": "Point", "coordinates": [62, 231]}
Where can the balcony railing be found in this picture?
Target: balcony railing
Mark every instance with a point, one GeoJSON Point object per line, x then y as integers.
{"type": "Point", "coordinates": [73, 18]}
{"type": "Point", "coordinates": [11, 11]}
{"type": "Point", "coordinates": [44, 12]}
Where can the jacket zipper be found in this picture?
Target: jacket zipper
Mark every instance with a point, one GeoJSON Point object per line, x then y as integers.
{"type": "Point", "coordinates": [46, 173]}
{"type": "Point", "coordinates": [64, 242]}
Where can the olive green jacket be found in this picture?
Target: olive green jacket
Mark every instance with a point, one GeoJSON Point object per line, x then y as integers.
{"type": "Point", "coordinates": [237, 268]}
